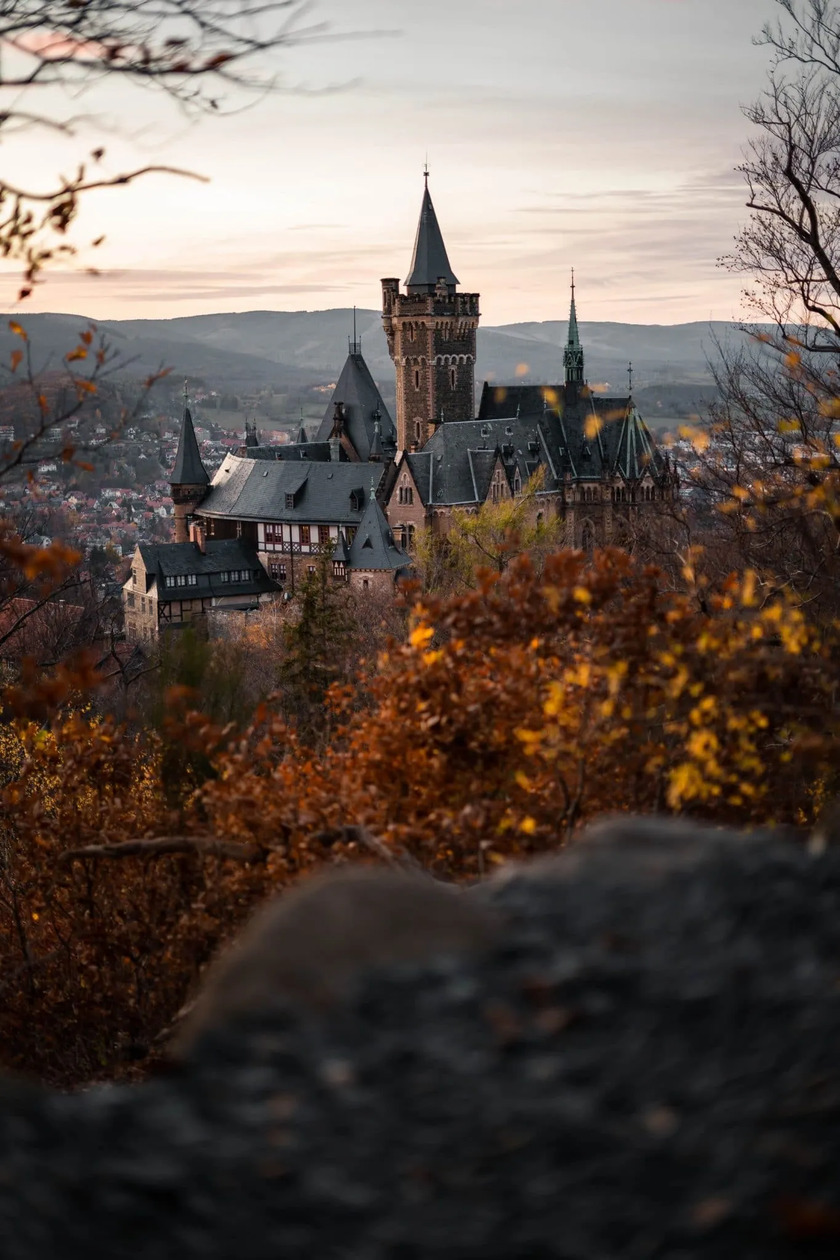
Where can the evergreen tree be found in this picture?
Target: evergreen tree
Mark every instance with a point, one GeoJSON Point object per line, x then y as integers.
{"type": "Point", "coordinates": [315, 646]}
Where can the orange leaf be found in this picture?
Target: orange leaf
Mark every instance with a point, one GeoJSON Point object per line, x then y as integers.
{"type": "Point", "coordinates": [17, 357]}
{"type": "Point", "coordinates": [17, 330]}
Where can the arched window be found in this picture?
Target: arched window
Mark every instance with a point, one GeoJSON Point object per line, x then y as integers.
{"type": "Point", "coordinates": [587, 537]}
{"type": "Point", "coordinates": [410, 539]}
{"type": "Point", "coordinates": [453, 377]}
{"type": "Point", "coordinates": [418, 432]}
{"type": "Point", "coordinates": [416, 378]}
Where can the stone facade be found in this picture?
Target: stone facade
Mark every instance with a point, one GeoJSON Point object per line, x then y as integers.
{"type": "Point", "coordinates": [432, 341]}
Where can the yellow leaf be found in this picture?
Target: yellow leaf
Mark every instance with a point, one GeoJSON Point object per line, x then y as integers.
{"type": "Point", "coordinates": [17, 330]}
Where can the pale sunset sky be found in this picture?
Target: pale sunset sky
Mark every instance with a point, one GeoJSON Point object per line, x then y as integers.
{"type": "Point", "coordinates": [599, 134]}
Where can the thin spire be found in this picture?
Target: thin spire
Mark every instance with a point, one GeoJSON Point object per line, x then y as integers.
{"type": "Point", "coordinates": [573, 354]}
{"type": "Point", "coordinates": [630, 378]}
{"type": "Point", "coordinates": [574, 334]}
{"type": "Point", "coordinates": [354, 346]}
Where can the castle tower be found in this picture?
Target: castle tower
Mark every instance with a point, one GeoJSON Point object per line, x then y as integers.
{"type": "Point", "coordinates": [431, 331]}
{"type": "Point", "coordinates": [573, 355]}
{"type": "Point", "coordinates": [189, 478]}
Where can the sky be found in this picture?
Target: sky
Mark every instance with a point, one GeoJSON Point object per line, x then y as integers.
{"type": "Point", "coordinates": [595, 134]}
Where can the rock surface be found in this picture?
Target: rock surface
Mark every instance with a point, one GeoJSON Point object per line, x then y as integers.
{"type": "Point", "coordinates": [639, 1061]}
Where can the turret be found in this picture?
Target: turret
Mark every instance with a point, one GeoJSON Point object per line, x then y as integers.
{"type": "Point", "coordinates": [431, 333]}
{"type": "Point", "coordinates": [189, 478]}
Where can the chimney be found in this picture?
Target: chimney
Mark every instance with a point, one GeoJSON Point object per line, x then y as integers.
{"type": "Point", "coordinates": [198, 536]}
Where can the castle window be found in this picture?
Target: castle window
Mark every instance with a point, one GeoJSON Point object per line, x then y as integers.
{"type": "Point", "coordinates": [277, 571]}
{"type": "Point", "coordinates": [418, 432]}
{"type": "Point", "coordinates": [290, 501]}
{"type": "Point", "coordinates": [193, 579]}
{"type": "Point", "coordinates": [310, 568]}
{"type": "Point", "coordinates": [410, 539]}
{"type": "Point", "coordinates": [324, 535]}
{"type": "Point", "coordinates": [304, 536]}
{"type": "Point", "coordinates": [129, 601]}
{"type": "Point", "coordinates": [416, 378]}
{"type": "Point", "coordinates": [365, 584]}
{"type": "Point", "coordinates": [350, 532]}
{"type": "Point", "coordinates": [453, 377]}
{"type": "Point", "coordinates": [401, 495]}
{"type": "Point", "coordinates": [408, 493]}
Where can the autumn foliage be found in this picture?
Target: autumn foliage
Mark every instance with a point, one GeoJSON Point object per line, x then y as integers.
{"type": "Point", "coordinates": [509, 716]}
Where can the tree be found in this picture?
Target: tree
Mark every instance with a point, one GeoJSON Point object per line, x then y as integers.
{"type": "Point", "coordinates": [492, 535]}
{"type": "Point", "coordinates": [773, 462]}
{"type": "Point", "coordinates": [316, 646]}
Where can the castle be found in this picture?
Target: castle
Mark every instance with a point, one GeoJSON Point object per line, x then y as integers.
{"type": "Point", "coordinates": [362, 486]}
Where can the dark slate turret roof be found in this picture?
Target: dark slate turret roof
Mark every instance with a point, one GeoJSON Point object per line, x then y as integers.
{"type": "Point", "coordinates": [373, 546]}
{"type": "Point", "coordinates": [321, 493]}
{"type": "Point", "coordinates": [357, 390]}
{"type": "Point", "coordinates": [188, 469]}
{"type": "Point", "coordinates": [430, 262]}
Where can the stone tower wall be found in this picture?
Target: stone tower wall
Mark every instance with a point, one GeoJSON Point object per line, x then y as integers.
{"type": "Point", "coordinates": [432, 342]}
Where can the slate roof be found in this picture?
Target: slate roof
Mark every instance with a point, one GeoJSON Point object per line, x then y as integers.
{"type": "Point", "coordinates": [373, 546]}
{"type": "Point", "coordinates": [622, 447]}
{"type": "Point", "coordinates": [429, 262]}
{"type": "Point", "coordinates": [188, 469]}
{"type": "Point", "coordinates": [358, 391]}
{"type": "Point", "coordinates": [226, 555]}
{"type": "Point", "coordinates": [255, 490]}
{"type": "Point", "coordinates": [317, 451]}
{"type": "Point", "coordinates": [456, 464]}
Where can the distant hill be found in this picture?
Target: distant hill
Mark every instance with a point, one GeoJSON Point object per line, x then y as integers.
{"type": "Point", "coordinates": [299, 350]}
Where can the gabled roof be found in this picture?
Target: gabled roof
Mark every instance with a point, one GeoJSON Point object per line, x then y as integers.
{"type": "Point", "coordinates": [188, 469]}
{"type": "Point", "coordinates": [456, 464]}
{"type": "Point", "coordinates": [635, 451]}
{"type": "Point", "coordinates": [373, 546]}
{"type": "Point", "coordinates": [429, 263]}
{"type": "Point", "coordinates": [357, 391]}
{"type": "Point", "coordinates": [623, 445]}
{"type": "Point", "coordinates": [256, 490]}
{"type": "Point", "coordinates": [221, 556]}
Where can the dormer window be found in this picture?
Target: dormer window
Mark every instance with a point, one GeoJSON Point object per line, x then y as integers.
{"type": "Point", "coordinates": [356, 500]}
{"type": "Point", "coordinates": [290, 501]}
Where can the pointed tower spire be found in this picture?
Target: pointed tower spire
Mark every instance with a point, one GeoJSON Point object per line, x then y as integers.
{"type": "Point", "coordinates": [189, 478]}
{"type": "Point", "coordinates": [573, 353]}
{"type": "Point", "coordinates": [429, 263]}
{"type": "Point", "coordinates": [188, 470]}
